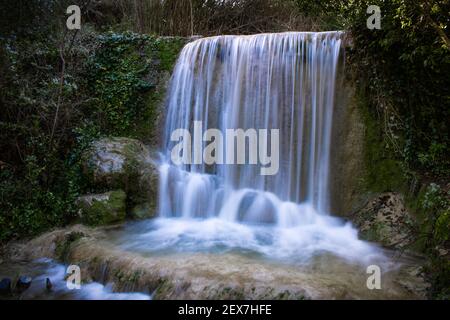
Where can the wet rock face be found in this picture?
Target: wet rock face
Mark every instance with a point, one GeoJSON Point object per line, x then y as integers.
{"type": "Point", "coordinates": [101, 209]}
{"type": "Point", "coordinates": [385, 220]}
{"type": "Point", "coordinates": [124, 164]}
{"type": "Point", "coordinates": [347, 153]}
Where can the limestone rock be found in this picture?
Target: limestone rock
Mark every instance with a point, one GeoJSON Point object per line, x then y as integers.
{"type": "Point", "coordinates": [101, 209]}
{"type": "Point", "coordinates": [385, 220]}
{"type": "Point", "coordinates": [126, 164]}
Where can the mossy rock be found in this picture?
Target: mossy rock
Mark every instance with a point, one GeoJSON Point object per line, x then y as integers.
{"type": "Point", "coordinates": [386, 220]}
{"type": "Point", "coordinates": [103, 209]}
{"type": "Point", "coordinates": [125, 164]}
{"type": "Point", "coordinates": [141, 211]}
{"type": "Point", "coordinates": [62, 249]}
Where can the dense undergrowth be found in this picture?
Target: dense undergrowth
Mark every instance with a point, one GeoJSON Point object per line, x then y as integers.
{"type": "Point", "coordinates": [62, 89]}
{"type": "Point", "coordinates": [401, 74]}
{"type": "Point", "coordinates": [59, 92]}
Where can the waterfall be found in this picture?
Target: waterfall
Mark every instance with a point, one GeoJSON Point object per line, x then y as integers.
{"type": "Point", "coordinates": [281, 81]}
{"type": "Point", "coordinates": [263, 82]}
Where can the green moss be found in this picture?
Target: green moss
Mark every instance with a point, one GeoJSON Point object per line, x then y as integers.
{"type": "Point", "coordinates": [432, 210]}
{"type": "Point", "coordinates": [142, 211]}
{"type": "Point", "coordinates": [137, 177]}
{"type": "Point", "coordinates": [168, 49]}
{"type": "Point", "coordinates": [125, 76]}
{"type": "Point", "coordinates": [62, 249]}
{"type": "Point", "coordinates": [146, 129]}
{"type": "Point", "coordinates": [383, 171]}
{"type": "Point", "coordinates": [442, 227]}
{"type": "Point", "coordinates": [164, 287]}
{"type": "Point", "coordinates": [375, 233]}
{"type": "Point", "coordinates": [104, 211]}
{"type": "Point", "coordinates": [165, 52]}
{"type": "Point", "coordinates": [228, 293]}
{"type": "Point", "coordinates": [125, 279]}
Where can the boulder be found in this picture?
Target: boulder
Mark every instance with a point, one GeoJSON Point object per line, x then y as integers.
{"type": "Point", "coordinates": [142, 211]}
{"type": "Point", "coordinates": [385, 220]}
{"type": "Point", "coordinates": [48, 284]}
{"type": "Point", "coordinates": [126, 164]}
{"type": "Point", "coordinates": [5, 286]}
{"type": "Point", "coordinates": [23, 283]}
{"type": "Point", "coordinates": [101, 209]}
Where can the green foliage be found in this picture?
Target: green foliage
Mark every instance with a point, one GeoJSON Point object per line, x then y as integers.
{"type": "Point", "coordinates": [39, 183]}
{"type": "Point", "coordinates": [442, 226]}
{"type": "Point", "coordinates": [105, 211]}
{"type": "Point", "coordinates": [109, 88]}
{"type": "Point", "coordinates": [384, 172]}
{"type": "Point", "coordinates": [168, 49]}
{"type": "Point", "coordinates": [116, 77]}
{"type": "Point", "coordinates": [434, 198]}
{"type": "Point", "coordinates": [435, 208]}
{"type": "Point", "coordinates": [405, 66]}
{"type": "Point", "coordinates": [123, 75]}
{"type": "Point", "coordinates": [29, 208]}
{"type": "Point", "coordinates": [403, 69]}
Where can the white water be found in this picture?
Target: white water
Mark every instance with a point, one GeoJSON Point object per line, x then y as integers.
{"type": "Point", "coordinates": [42, 269]}
{"type": "Point", "coordinates": [270, 81]}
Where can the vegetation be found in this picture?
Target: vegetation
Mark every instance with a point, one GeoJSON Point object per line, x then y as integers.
{"type": "Point", "coordinates": [102, 210]}
{"type": "Point", "coordinates": [401, 73]}
{"type": "Point", "coordinates": [59, 92]}
{"type": "Point", "coordinates": [61, 89]}
{"type": "Point", "coordinates": [119, 76]}
{"type": "Point", "coordinates": [433, 208]}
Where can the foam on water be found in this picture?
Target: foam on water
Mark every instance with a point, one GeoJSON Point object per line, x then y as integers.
{"type": "Point", "coordinates": [296, 244]}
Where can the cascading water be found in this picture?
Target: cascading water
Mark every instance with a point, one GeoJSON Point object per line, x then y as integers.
{"type": "Point", "coordinates": [281, 81]}
{"type": "Point", "coordinates": [268, 81]}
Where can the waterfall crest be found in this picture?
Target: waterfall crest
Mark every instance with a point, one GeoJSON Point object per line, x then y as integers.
{"type": "Point", "coordinates": [281, 81]}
